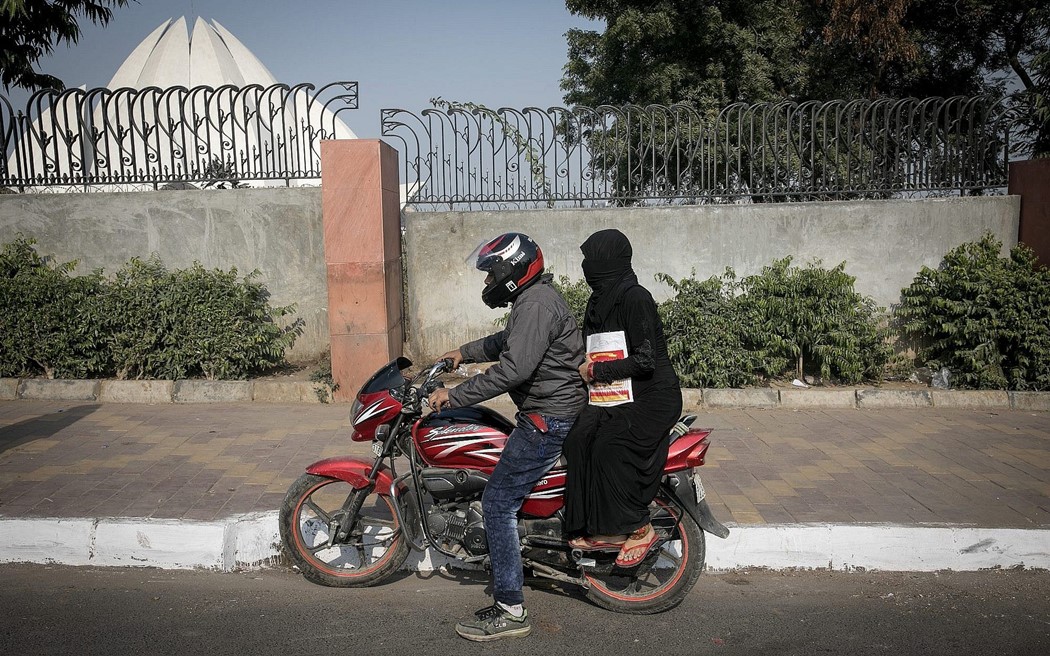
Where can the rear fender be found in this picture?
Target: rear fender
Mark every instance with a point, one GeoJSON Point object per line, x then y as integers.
{"type": "Point", "coordinates": [688, 450]}
{"type": "Point", "coordinates": [679, 487]}
{"type": "Point", "coordinates": [354, 471]}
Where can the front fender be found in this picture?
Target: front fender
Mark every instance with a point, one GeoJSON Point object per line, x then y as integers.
{"type": "Point", "coordinates": [354, 471]}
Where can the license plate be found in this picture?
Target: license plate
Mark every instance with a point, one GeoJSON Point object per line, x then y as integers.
{"type": "Point", "coordinates": [698, 488]}
{"type": "Point", "coordinates": [377, 448]}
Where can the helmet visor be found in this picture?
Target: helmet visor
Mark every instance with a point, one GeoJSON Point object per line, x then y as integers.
{"type": "Point", "coordinates": [490, 251]}
{"type": "Point", "coordinates": [472, 259]}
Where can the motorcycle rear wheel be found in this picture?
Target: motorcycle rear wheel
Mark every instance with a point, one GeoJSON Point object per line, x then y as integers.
{"type": "Point", "coordinates": [375, 549]}
{"type": "Point", "coordinates": [666, 576]}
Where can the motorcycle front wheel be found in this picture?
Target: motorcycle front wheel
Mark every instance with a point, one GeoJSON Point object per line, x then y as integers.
{"type": "Point", "coordinates": [375, 548]}
{"type": "Point", "coordinates": [666, 576]}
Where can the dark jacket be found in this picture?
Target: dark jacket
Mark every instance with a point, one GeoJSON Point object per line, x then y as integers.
{"type": "Point", "coordinates": [537, 357]}
{"type": "Point", "coordinates": [647, 363]}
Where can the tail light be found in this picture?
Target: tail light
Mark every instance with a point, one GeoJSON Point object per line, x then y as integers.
{"type": "Point", "coordinates": [695, 456]}
{"type": "Point", "coordinates": [688, 450]}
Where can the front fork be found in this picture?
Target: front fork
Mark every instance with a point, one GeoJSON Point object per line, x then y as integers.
{"type": "Point", "coordinates": [345, 519]}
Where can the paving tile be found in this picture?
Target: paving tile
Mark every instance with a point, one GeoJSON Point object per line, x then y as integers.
{"type": "Point", "coordinates": [111, 507]}
{"type": "Point", "coordinates": [901, 465]}
{"type": "Point", "coordinates": [201, 514]}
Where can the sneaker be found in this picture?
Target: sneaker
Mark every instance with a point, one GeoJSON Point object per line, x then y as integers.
{"type": "Point", "coordinates": [493, 623]}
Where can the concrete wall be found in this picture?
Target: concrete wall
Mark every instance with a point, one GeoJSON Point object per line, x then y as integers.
{"type": "Point", "coordinates": [279, 232]}
{"type": "Point", "coordinates": [884, 244]}
{"type": "Point", "coordinates": [275, 230]}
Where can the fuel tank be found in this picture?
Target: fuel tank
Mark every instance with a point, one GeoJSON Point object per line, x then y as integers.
{"type": "Point", "coordinates": [464, 437]}
{"type": "Point", "coordinates": [472, 439]}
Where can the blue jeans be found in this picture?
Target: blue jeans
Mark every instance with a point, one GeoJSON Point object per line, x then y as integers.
{"type": "Point", "coordinates": [527, 457]}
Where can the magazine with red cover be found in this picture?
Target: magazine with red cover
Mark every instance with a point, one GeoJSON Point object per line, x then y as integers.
{"type": "Point", "coordinates": [602, 347]}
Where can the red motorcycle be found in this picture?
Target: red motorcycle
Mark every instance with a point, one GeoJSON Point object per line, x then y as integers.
{"type": "Point", "coordinates": [350, 522]}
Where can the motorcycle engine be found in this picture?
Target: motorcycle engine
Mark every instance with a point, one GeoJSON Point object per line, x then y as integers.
{"type": "Point", "coordinates": [459, 525]}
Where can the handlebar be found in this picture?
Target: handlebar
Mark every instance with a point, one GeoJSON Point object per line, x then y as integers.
{"type": "Point", "coordinates": [440, 367]}
{"type": "Point", "coordinates": [429, 376]}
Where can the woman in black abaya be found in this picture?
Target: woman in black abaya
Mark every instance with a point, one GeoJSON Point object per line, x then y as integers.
{"type": "Point", "coordinates": [616, 454]}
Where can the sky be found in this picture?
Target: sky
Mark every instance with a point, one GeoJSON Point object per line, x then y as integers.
{"type": "Point", "coordinates": [499, 53]}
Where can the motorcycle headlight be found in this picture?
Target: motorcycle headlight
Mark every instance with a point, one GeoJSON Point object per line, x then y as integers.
{"type": "Point", "coordinates": [355, 410]}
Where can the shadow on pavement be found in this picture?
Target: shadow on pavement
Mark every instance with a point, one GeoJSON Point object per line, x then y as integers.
{"type": "Point", "coordinates": [43, 426]}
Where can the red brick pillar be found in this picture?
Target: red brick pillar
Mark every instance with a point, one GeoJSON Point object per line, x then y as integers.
{"type": "Point", "coordinates": [361, 213]}
{"type": "Point", "coordinates": [1031, 181]}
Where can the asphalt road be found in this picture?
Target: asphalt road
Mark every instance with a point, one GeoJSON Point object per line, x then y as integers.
{"type": "Point", "coordinates": [115, 611]}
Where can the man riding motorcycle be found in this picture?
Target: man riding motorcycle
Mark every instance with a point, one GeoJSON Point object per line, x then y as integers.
{"type": "Point", "coordinates": [536, 357]}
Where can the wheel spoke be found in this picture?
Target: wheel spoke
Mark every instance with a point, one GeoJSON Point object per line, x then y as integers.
{"type": "Point", "coordinates": [363, 544]}
{"type": "Point", "coordinates": [372, 548]}
{"type": "Point", "coordinates": [677, 560]}
{"type": "Point", "coordinates": [318, 511]}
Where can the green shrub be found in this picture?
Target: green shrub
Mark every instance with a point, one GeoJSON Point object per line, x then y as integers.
{"type": "Point", "coordinates": [985, 317]}
{"type": "Point", "coordinates": [50, 322]}
{"type": "Point", "coordinates": [812, 316]}
{"type": "Point", "coordinates": [723, 332]}
{"type": "Point", "coordinates": [146, 323]}
{"type": "Point", "coordinates": [575, 294]}
{"type": "Point", "coordinates": [702, 326]}
{"type": "Point", "coordinates": [193, 323]}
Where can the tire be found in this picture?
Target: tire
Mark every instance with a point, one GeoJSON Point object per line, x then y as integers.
{"type": "Point", "coordinates": [376, 548]}
{"type": "Point", "coordinates": [666, 576]}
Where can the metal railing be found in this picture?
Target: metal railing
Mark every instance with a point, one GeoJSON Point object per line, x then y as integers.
{"type": "Point", "coordinates": [464, 156]}
{"type": "Point", "coordinates": [124, 139]}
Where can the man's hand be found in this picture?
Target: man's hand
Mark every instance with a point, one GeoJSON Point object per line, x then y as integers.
{"type": "Point", "coordinates": [438, 398]}
{"type": "Point", "coordinates": [585, 369]}
{"type": "Point", "coordinates": [455, 356]}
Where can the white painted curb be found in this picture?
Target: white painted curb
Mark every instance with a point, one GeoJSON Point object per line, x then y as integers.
{"type": "Point", "coordinates": [253, 541]}
{"type": "Point", "coordinates": [246, 541]}
{"type": "Point", "coordinates": [879, 547]}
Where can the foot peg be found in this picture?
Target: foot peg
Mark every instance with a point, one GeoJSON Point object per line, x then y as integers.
{"type": "Point", "coordinates": [578, 558]}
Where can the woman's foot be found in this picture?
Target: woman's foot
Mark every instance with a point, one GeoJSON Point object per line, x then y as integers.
{"type": "Point", "coordinates": [637, 546]}
{"type": "Point", "coordinates": [598, 542]}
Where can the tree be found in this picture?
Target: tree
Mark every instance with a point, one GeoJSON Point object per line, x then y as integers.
{"type": "Point", "coordinates": [30, 29]}
{"type": "Point", "coordinates": [706, 54]}
{"type": "Point", "coordinates": [941, 47]}
{"type": "Point", "coordinates": [722, 51]}
{"type": "Point", "coordinates": [950, 47]}
{"type": "Point", "coordinates": [1038, 132]}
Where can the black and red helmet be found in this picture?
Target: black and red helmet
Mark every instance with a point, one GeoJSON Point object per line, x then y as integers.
{"type": "Point", "coordinates": [515, 262]}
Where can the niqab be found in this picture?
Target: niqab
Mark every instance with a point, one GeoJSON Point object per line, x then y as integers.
{"type": "Point", "coordinates": [607, 270]}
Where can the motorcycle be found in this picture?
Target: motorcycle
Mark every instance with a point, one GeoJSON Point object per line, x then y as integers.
{"type": "Point", "coordinates": [351, 521]}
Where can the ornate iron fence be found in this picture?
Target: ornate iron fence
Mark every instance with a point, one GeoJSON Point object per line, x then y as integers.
{"type": "Point", "coordinates": [85, 140]}
{"type": "Point", "coordinates": [465, 156]}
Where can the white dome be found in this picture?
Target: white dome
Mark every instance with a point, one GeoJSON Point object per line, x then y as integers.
{"type": "Point", "coordinates": [169, 57]}
{"type": "Point", "coordinates": [269, 127]}
{"type": "Point", "coordinates": [211, 56]}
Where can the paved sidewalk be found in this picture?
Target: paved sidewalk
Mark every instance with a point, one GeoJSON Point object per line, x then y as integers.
{"type": "Point", "coordinates": [766, 467]}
